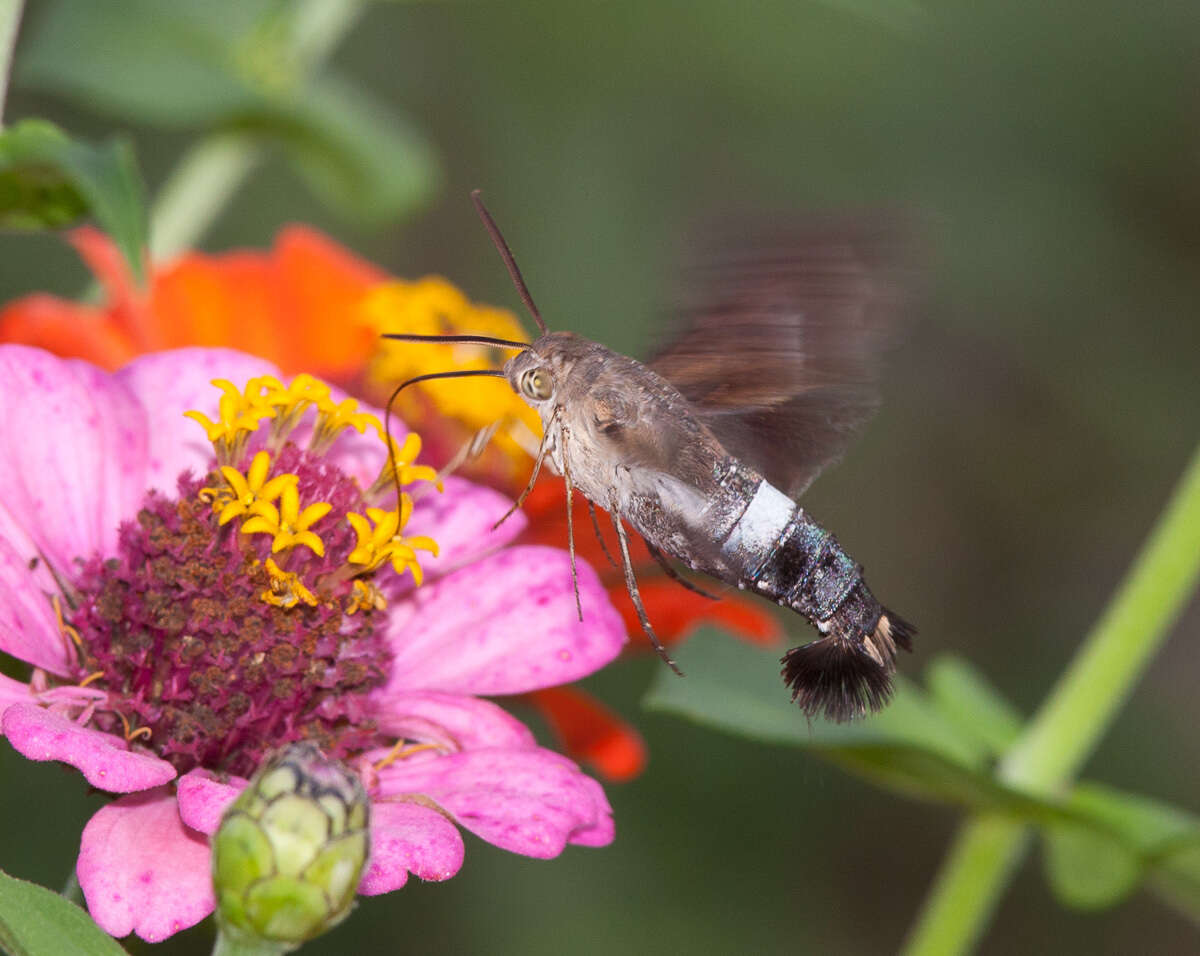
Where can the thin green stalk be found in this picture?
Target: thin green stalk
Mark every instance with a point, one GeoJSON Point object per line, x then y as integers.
{"type": "Point", "coordinates": [227, 945]}
{"type": "Point", "coordinates": [197, 191]}
{"type": "Point", "coordinates": [10, 23]}
{"type": "Point", "coordinates": [213, 170]}
{"type": "Point", "coordinates": [1078, 711]}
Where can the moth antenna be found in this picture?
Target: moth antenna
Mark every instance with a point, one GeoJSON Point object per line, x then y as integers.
{"type": "Point", "coordinates": [509, 262]}
{"type": "Point", "coordinates": [457, 340]}
{"type": "Point", "coordinates": [387, 410]}
{"type": "Point", "coordinates": [537, 467]}
{"type": "Point", "coordinates": [635, 595]}
{"type": "Point", "coordinates": [570, 522]}
{"type": "Point", "coordinates": [599, 536]}
{"type": "Point", "coordinates": [675, 575]}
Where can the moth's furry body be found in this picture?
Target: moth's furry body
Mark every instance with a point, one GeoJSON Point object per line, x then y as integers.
{"type": "Point", "coordinates": [628, 440]}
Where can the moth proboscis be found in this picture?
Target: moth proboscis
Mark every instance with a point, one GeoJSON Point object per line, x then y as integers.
{"type": "Point", "coordinates": [704, 448]}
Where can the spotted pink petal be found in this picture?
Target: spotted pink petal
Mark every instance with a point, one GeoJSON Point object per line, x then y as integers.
{"type": "Point", "coordinates": [454, 720]}
{"type": "Point", "coordinates": [171, 383]}
{"type": "Point", "coordinates": [28, 628]}
{"type": "Point", "coordinates": [409, 838]}
{"type": "Point", "coordinates": [72, 462]}
{"type": "Point", "coordinates": [504, 625]}
{"type": "Point", "coordinates": [460, 519]}
{"type": "Point", "coordinates": [105, 761]}
{"type": "Point", "coordinates": [527, 801]}
{"type": "Point", "coordinates": [141, 870]}
{"type": "Point", "coordinates": [203, 798]}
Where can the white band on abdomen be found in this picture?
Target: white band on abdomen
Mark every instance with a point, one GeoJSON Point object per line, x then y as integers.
{"type": "Point", "coordinates": [760, 525]}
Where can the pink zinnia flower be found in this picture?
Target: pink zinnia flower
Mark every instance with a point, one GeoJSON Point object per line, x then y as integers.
{"type": "Point", "coordinates": [182, 621]}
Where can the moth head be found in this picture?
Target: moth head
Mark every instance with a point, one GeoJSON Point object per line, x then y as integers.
{"type": "Point", "coordinates": [531, 377]}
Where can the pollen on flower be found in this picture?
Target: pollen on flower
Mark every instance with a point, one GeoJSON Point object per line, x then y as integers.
{"type": "Point", "coordinates": [238, 415]}
{"type": "Point", "coordinates": [285, 588]}
{"type": "Point", "coordinates": [243, 492]}
{"type": "Point", "coordinates": [379, 540]}
{"type": "Point", "coordinates": [231, 618]}
{"type": "Point", "coordinates": [287, 524]}
{"type": "Point", "coordinates": [365, 596]}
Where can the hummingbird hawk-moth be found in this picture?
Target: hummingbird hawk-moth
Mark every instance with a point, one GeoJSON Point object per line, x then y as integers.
{"type": "Point", "coordinates": [703, 448]}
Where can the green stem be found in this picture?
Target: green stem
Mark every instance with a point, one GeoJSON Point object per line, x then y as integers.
{"type": "Point", "coordinates": [10, 23]}
{"type": "Point", "coordinates": [72, 890]}
{"type": "Point", "coordinates": [214, 169]}
{"type": "Point", "coordinates": [1063, 733]}
{"type": "Point", "coordinates": [231, 945]}
{"type": "Point", "coordinates": [197, 191]}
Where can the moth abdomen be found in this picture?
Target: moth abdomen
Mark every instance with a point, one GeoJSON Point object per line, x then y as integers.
{"type": "Point", "coordinates": [775, 548]}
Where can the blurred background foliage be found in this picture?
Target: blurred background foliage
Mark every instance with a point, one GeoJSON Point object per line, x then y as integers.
{"type": "Point", "coordinates": [1039, 412]}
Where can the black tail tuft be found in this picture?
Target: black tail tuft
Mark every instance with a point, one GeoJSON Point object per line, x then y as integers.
{"type": "Point", "coordinates": [834, 678]}
{"type": "Point", "coordinates": [899, 630]}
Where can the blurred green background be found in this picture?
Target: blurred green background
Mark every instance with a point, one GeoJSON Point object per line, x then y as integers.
{"type": "Point", "coordinates": [1036, 417]}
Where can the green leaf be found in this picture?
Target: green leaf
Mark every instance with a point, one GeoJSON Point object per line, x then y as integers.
{"type": "Point", "coordinates": [1088, 869]}
{"type": "Point", "coordinates": [1100, 842]}
{"type": "Point", "coordinates": [180, 64]}
{"type": "Point", "coordinates": [909, 746]}
{"type": "Point", "coordinates": [37, 922]}
{"type": "Point", "coordinates": [48, 180]}
{"type": "Point", "coordinates": [225, 66]}
{"type": "Point", "coordinates": [1165, 838]}
{"type": "Point", "coordinates": [969, 701]}
{"type": "Point", "coordinates": [355, 154]}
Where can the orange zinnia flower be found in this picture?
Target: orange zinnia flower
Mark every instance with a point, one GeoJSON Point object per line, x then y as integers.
{"type": "Point", "coordinates": [297, 305]}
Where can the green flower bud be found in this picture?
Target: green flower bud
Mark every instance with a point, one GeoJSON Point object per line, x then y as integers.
{"type": "Point", "coordinates": [290, 851]}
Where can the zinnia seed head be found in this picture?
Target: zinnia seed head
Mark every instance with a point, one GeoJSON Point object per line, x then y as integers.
{"type": "Point", "coordinates": [244, 611]}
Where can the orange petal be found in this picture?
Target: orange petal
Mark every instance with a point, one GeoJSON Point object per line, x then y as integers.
{"type": "Point", "coordinates": [101, 255]}
{"type": "Point", "coordinates": [322, 286]}
{"type": "Point", "coordinates": [217, 300]}
{"type": "Point", "coordinates": [67, 329]}
{"type": "Point", "coordinates": [591, 733]}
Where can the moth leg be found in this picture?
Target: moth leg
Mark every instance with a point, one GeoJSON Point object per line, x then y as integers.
{"type": "Point", "coordinates": [537, 468]}
{"type": "Point", "coordinates": [675, 575]}
{"type": "Point", "coordinates": [599, 536]}
{"type": "Point", "coordinates": [566, 470]}
{"type": "Point", "coordinates": [468, 452]}
{"type": "Point", "coordinates": [635, 595]}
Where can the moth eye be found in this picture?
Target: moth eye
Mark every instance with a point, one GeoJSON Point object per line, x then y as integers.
{"type": "Point", "coordinates": [536, 384]}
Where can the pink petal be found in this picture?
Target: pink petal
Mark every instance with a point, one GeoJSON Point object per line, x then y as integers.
{"type": "Point", "coordinates": [454, 720]}
{"type": "Point", "coordinates": [504, 625]}
{"type": "Point", "coordinates": [72, 462]}
{"type": "Point", "coordinates": [460, 520]}
{"type": "Point", "coordinates": [171, 383]}
{"type": "Point", "coordinates": [527, 801]}
{"type": "Point", "coordinates": [603, 831]}
{"type": "Point", "coordinates": [142, 871]}
{"type": "Point", "coordinates": [105, 761]}
{"type": "Point", "coordinates": [28, 628]}
{"type": "Point", "coordinates": [409, 838]}
{"type": "Point", "coordinates": [203, 798]}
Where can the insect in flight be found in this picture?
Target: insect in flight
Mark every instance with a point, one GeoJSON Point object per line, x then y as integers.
{"type": "Point", "coordinates": [703, 449]}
